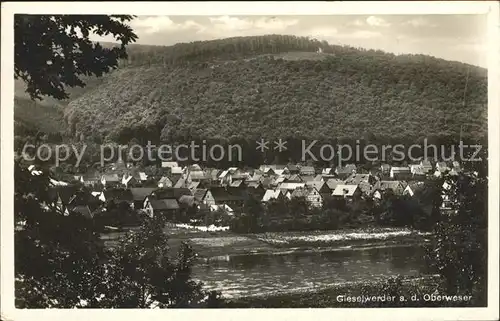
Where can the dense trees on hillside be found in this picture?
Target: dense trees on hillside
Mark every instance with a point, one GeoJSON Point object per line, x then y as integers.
{"type": "Point", "coordinates": [347, 93]}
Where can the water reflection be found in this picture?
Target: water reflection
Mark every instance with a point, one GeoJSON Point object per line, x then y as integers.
{"type": "Point", "coordinates": [254, 274]}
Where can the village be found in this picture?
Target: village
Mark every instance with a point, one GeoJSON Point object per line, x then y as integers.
{"type": "Point", "coordinates": [174, 188]}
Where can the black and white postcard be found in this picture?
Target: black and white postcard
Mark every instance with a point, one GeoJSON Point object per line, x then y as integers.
{"type": "Point", "coordinates": [275, 160]}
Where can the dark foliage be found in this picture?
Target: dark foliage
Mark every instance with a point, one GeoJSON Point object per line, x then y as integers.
{"type": "Point", "coordinates": [51, 52]}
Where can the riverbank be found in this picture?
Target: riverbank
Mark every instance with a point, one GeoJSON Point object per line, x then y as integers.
{"type": "Point", "coordinates": [391, 292]}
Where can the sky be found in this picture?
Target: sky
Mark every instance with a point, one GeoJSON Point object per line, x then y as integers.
{"type": "Point", "coordinates": [451, 37]}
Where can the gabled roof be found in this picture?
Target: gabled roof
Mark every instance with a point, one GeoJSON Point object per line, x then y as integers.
{"type": "Point", "coordinates": [83, 210]}
{"type": "Point", "coordinates": [199, 194]}
{"type": "Point", "coordinates": [111, 177]}
{"type": "Point", "coordinates": [301, 192]}
{"type": "Point", "coordinates": [356, 179]}
{"type": "Point", "coordinates": [198, 175]}
{"type": "Point", "coordinates": [318, 178]}
{"type": "Point", "coordinates": [327, 171]}
{"type": "Point", "coordinates": [291, 186]}
{"type": "Point", "coordinates": [237, 183]}
{"type": "Point", "coordinates": [194, 185]}
{"type": "Point", "coordinates": [169, 164]}
{"type": "Point", "coordinates": [222, 194]}
{"type": "Point", "coordinates": [176, 170]}
{"type": "Point", "coordinates": [254, 184]}
{"type": "Point", "coordinates": [186, 200]}
{"type": "Point", "coordinates": [170, 192]}
{"type": "Point", "coordinates": [386, 185]}
{"type": "Point", "coordinates": [181, 183]}
{"type": "Point", "coordinates": [318, 185]}
{"type": "Point", "coordinates": [140, 193]}
{"type": "Point", "coordinates": [118, 194]}
{"type": "Point", "coordinates": [403, 169]}
{"type": "Point", "coordinates": [415, 186]}
{"type": "Point", "coordinates": [294, 178]}
{"type": "Point", "coordinates": [332, 183]}
{"type": "Point", "coordinates": [345, 190]}
{"type": "Point", "coordinates": [271, 194]}
{"type": "Point", "coordinates": [307, 170]}
{"type": "Point", "coordinates": [164, 180]}
{"type": "Point", "coordinates": [143, 176]}
{"type": "Point", "coordinates": [307, 178]}
{"type": "Point", "coordinates": [164, 204]}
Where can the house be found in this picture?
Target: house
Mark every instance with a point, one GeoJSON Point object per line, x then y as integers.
{"type": "Point", "coordinates": [294, 178]}
{"type": "Point", "coordinates": [281, 172]}
{"type": "Point", "coordinates": [161, 207]}
{"type": "Point", "coordinates": [186, 201]}
{"type": "Point", "coordinates": [169, 164]}
{"type": "Point", "coordinates": [117, 195]}
{"type": "Point", "coordinates": [365, 182]}
{"type": "Point", "coordinates": [181, 183]}
{"type": "Point", "coordinates": [400, 173]}
{"type": "Point", "coordinates": [385, 169]}
{"type": "Point", "coordinates": [279, 180]}
{"type": "Point", "coordinates": [214, 174]}
{"type": "Point", "coordinates": [199, 195]}
{"type": "Point", "coordinates": [356, 179]}
{"type": "Point", "coordinates": [193, 168]}
{"type": "Point", "coordinates": [83, 210]}
{"type": "Point", "coordinates": [175, 193]}
{"type": "Point", "coordinates": [254, 184]}
{"type": "Point", "coordinates": [165, 182]}
{"type": "Point", "coordinates": [291, 186]}
{"type": "Point", "coordinates": [312, 196]}
{"type": "Point", "coordinates": [237, 183]}
{"type": "Point", "coordinates": [328, 171]}
{"type": "Point", "coordinates": [293, 169]}
{"type": "Point", "coordinates": [129, 181]}
{"type": "Point", "coordinates": [176, 170]}
{"type": "Point", "coordinates": [307, 170]}
{"type": "Point", "coordinates": [84, 198]}
{"type": "Point", "coordinates": [139, 195]}
{"type": "Point", "coordinates": [274, 169]}
{"type": "Point", "coordinates": [320, 186]}
{"type": "Point", "coordinates": [197, 176]}
{"type": "Point", "coordinates": [194, 185]}
{"type": "Point", "coordinates": [141, 176]}
{"type": "Point", "coordinates": [427, 165]}
{"type": "Point", "coordinates": [413, 188]}
{"type": "Point", "coordinates": [226, 195]}
{"type": "Point", "coordinates": [442, 167]}
{"type": "Point", "coordinates": [333, 182]}
{"type": "Point", "coordinates": [110, 180]}
{"type": "Point", "coordinates": [345, 171]}
{"type": "Point", "coordinates": [350, 192]}
{"type": "Point", "coordinates": [418, 171]}
{"type": "Point", "coordinates": [266, 170]}
{"type": "Point", "coordinates": [224, 208]}
{"type": "Point", "coordinates": [174, 178]}
{"type": "Point", "coordinates": [307, 178]}
{"type": "Point", "coordinates": [275, 194]}
{"type": "Point", "coordinates": [226, 176]}
{"type": "Point", "coordinates": [381, 187]}
{"type": "Point", "coordinates": [91, 179]}
{"type": "Point", "coordinates": [318, 177]}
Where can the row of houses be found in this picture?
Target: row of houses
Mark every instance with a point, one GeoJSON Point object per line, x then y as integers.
{"type": "Point", "coordinates": [213, 189]}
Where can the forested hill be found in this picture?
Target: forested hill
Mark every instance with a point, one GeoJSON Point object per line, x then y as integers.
{"type": "Point", "coordinates": [274, 86]}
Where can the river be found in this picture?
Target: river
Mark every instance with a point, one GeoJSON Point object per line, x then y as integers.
{"type": "Point", "coordinates": [248, 275]}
